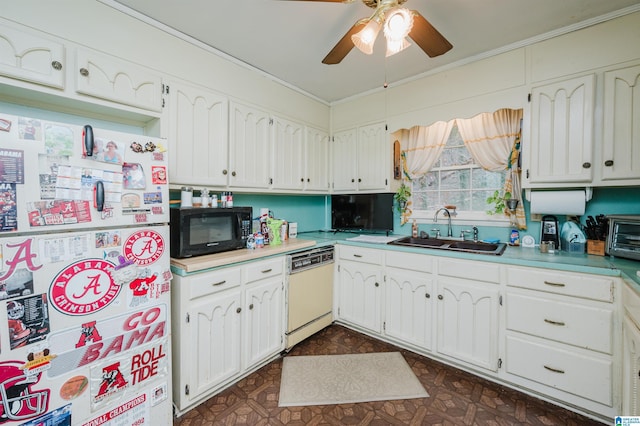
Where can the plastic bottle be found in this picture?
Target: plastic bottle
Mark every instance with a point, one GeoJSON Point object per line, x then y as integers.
{"type": "Point", "coordinates": [414, 229]}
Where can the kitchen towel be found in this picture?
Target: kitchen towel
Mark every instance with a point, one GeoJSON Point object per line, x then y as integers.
{"type": "Point", "coordinates": [342, 379]}
{"type": "Point", "coordinates": [558, 202]}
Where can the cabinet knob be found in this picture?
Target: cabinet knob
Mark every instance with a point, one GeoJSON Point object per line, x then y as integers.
{"type": "Point", "coordinates": [251, 306]}
{"type": "Point", "coordinates": [84, 72]}
{"type": "Point", "coordinates": [440, 297]}
{"type": "Point", "coordinates": [56, 65]}
{"type": "Point", "coordinates": [427, 295]}
{"type": "Point", "coordinates": [353, 180]}
{"type": "Point", "coordinates": [233, 173]}
{"type": "Point", "coordinates": [301, 179]}
{"type": "Point", "coordinates": [377, 284]}
{"type": "Point", "coordinates": [586, 165]}
{"type": "Point", "coordinates": [239, 310]}
{"type": "Point", "coordinates": [359, 180]}
{"type": "Point", "coordinates": [308, 180]}
{"type": "Point", "coordinates": [224, 172]}
{"type": "Point", "coordinates": [608, 163]}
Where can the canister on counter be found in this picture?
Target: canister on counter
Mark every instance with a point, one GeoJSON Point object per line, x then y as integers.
{"type": "Point", "coordinates": [186, 196]}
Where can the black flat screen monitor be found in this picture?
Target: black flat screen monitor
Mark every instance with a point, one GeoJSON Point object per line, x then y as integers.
{"type": "Point", "coordinates": [362, 212]}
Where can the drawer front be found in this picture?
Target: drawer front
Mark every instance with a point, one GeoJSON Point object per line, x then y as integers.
{"type": "Point", "coordinates": [477, 271]}
{"type": "Point", "coordinates": [212, 282]}
{"type": "Point", "coordinates": [558, 282]}
{"type": "Point", "coordinates": [255, 271]}
{"type": "Point", "coordinates": [360, 254]}
{"type": "Point", "coordinates": [584, 326]}
{"type": "Point", "coordinates": [584, 376]}
{"type": "Point", "coordinates": [411, 261]}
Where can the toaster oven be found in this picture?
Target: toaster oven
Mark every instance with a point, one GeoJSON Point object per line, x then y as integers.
{"type": "Point", "coordinates": [624, 236]}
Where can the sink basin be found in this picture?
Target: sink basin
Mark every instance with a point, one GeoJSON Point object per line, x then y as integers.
{"type": "Point", "coordinates": [418, 242]}
{"type": "Point", "coordinates": [478, 247]}
{"type": "Point", "coordinates": [442, 244]}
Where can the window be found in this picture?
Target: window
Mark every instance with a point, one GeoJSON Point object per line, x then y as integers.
{"type": "Point", "coordinates": [456, 180]}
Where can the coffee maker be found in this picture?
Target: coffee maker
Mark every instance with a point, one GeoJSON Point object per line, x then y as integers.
{"type": "Point", "coordinates": [549, 230]}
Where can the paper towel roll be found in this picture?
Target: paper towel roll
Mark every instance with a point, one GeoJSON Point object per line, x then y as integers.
{"type": "Point", "coordinates": [558, 202]}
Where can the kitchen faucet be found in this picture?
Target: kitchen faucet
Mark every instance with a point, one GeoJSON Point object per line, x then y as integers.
{"type": "Point", "coordinates": [435, 220]}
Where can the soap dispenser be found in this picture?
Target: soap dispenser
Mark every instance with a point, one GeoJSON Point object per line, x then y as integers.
{"type": "Point", "coordinates": [414, 229]}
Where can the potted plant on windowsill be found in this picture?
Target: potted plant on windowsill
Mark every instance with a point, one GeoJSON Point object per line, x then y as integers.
{"type": "Point", "coordinates": [498, 200]}
{"type": "Point", "coordinates": [403, 200]}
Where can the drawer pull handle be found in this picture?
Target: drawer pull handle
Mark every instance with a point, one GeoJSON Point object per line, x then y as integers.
{"type": "Point", "coordinates": [266, 271]}
{"type": "Point", "coordinates": [357, 255]}
{"type": "Point", "coordinates": [552, 322]}
{"type": "Point", "coordinates": [551, 283]}
{"type": "Point", "coordinates": [218, 283]}
{"type": "Point", "coordinates": [555, 370]}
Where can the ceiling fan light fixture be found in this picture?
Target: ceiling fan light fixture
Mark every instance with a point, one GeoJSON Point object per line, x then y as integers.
{"type": "Point", "coordinates": [365, 39]}
{"type": "Point", "coordinates": [398, 24]}
{"type": "Point", "coordinates": [395, 46]}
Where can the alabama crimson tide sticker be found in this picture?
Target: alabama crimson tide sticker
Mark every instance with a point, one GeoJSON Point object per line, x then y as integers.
{"type": "Point", "coordinates": [144, 247]}
{"type": "Point", "coordinates": [84, 287]}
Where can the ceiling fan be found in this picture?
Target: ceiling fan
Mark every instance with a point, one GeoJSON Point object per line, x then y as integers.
{"type": "Point", "coordinates": [393, 18]}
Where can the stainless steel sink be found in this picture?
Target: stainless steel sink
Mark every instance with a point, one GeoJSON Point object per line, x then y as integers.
{"type": "Point", "coordinates": [443, 244]}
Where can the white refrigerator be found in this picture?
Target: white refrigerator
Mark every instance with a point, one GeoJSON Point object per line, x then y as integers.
{"type": "Point", "coordinates": [84, 276]}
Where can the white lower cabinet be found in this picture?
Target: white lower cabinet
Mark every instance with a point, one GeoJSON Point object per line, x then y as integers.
{"type": "Point", "coordinates": [551, 333]}
{"type": "Point", "coordinates": [409, 300]}
{"type": "Point", "coordinates": [560, 337]}
{"type": "Point", "coordinates": [631, 353]}
{"type": "Point", "coordinates": [359, 287]}
{"type": "Point", "coordinates": [468, 312]}
{"type": "Point", "coordinates": [227, 322]}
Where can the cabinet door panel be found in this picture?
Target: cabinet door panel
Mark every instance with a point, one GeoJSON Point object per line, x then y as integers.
{"type": "Point", "coordinates": [113, 79]}
{"type": "Point", "coordinates": [344, 161]}
{"type": "Point", "coordinates": [215, 342]}
{"type": "Point", "coordinates": [359, 294]}
{"type": "Point", "coordinates": [31, 57]}
{"type": "Point", "coordinates": [288, 145]}
{"type": "Point", "coordinates": [620, 153]}
{"type": "Point", "coordinates": [317, 160]}
{"type": "Point", "coordinates": [562, 131]}
{"type": "Point", "coordinates": [373, 157]}
{"type": "Point", "coordinates": [631, 369]}
{"type": "Point", "coordinates": [468, 322]}
{"type": "Point", "coordinates": [409, 307]}
{"type": "Point", "coordinates": [264, 307]}
{"type": "Point", "coordinates": [249, 147]}
{"type": "Point", "coordinates": [198, 129]}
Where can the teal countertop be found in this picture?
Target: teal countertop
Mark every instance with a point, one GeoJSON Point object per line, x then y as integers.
{"type": "Point", "coordinates": [521, 256]}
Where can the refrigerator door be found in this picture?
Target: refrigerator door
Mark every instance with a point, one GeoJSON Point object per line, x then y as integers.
{"type": "Point", "coordinates": [87, 332]}
{"type": "Point", "coordinates": [56, 176]}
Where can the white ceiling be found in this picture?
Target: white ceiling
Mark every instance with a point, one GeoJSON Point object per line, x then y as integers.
{"type": "Point", "coordinates": [288, 38]}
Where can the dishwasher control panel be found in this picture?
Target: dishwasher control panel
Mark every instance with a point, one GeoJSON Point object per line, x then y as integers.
{"type": "Point", "coordinates": [301, 261]}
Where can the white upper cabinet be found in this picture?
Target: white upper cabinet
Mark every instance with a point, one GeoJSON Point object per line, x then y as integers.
{"type": "Point", "coordinates": [31, 57]}
{"type": "Point", "coordinates": [344, 160]}
{"type": "Point", "coordinates": [620, 147]}
{"type": "Point", "coordinates": [288, 150]}
{"type": "Point", "coordinates": [373, 157]}
{"type": "Point", "coordinates": [198, 131]}
{"type": "Point", "coordinates": [361, 159]}
{"type": "Point", "coordinates": [560, 150]}
{"type": "Point", "coordinates": [107, 77]}
{"type": "Point", "coordinates": [249, 147]}
{"type": "Point", "coordinates": [317, 160]}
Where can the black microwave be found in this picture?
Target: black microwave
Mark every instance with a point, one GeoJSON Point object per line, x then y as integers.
{"type": "Point", "coordinates": [196, 231]}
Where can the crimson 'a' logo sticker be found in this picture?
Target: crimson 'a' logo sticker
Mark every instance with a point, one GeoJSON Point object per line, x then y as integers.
{"type": "Point", "coordinates": [144, 247]}
{"type": "Point", "coordinates": [84, 287]}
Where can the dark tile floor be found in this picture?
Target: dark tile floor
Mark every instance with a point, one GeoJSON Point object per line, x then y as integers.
{"type": "Point", "coordinates": [455, 397]}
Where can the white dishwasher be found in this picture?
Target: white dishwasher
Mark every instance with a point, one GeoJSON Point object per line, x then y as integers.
{"type": "Point", "coordinates": [310, 293]}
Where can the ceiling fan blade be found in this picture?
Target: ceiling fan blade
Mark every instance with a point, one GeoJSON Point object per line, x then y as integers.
{"type": "Point", "coordinates": [344, 46]}
{"type": "Point", "coordinates": [427, 37]}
